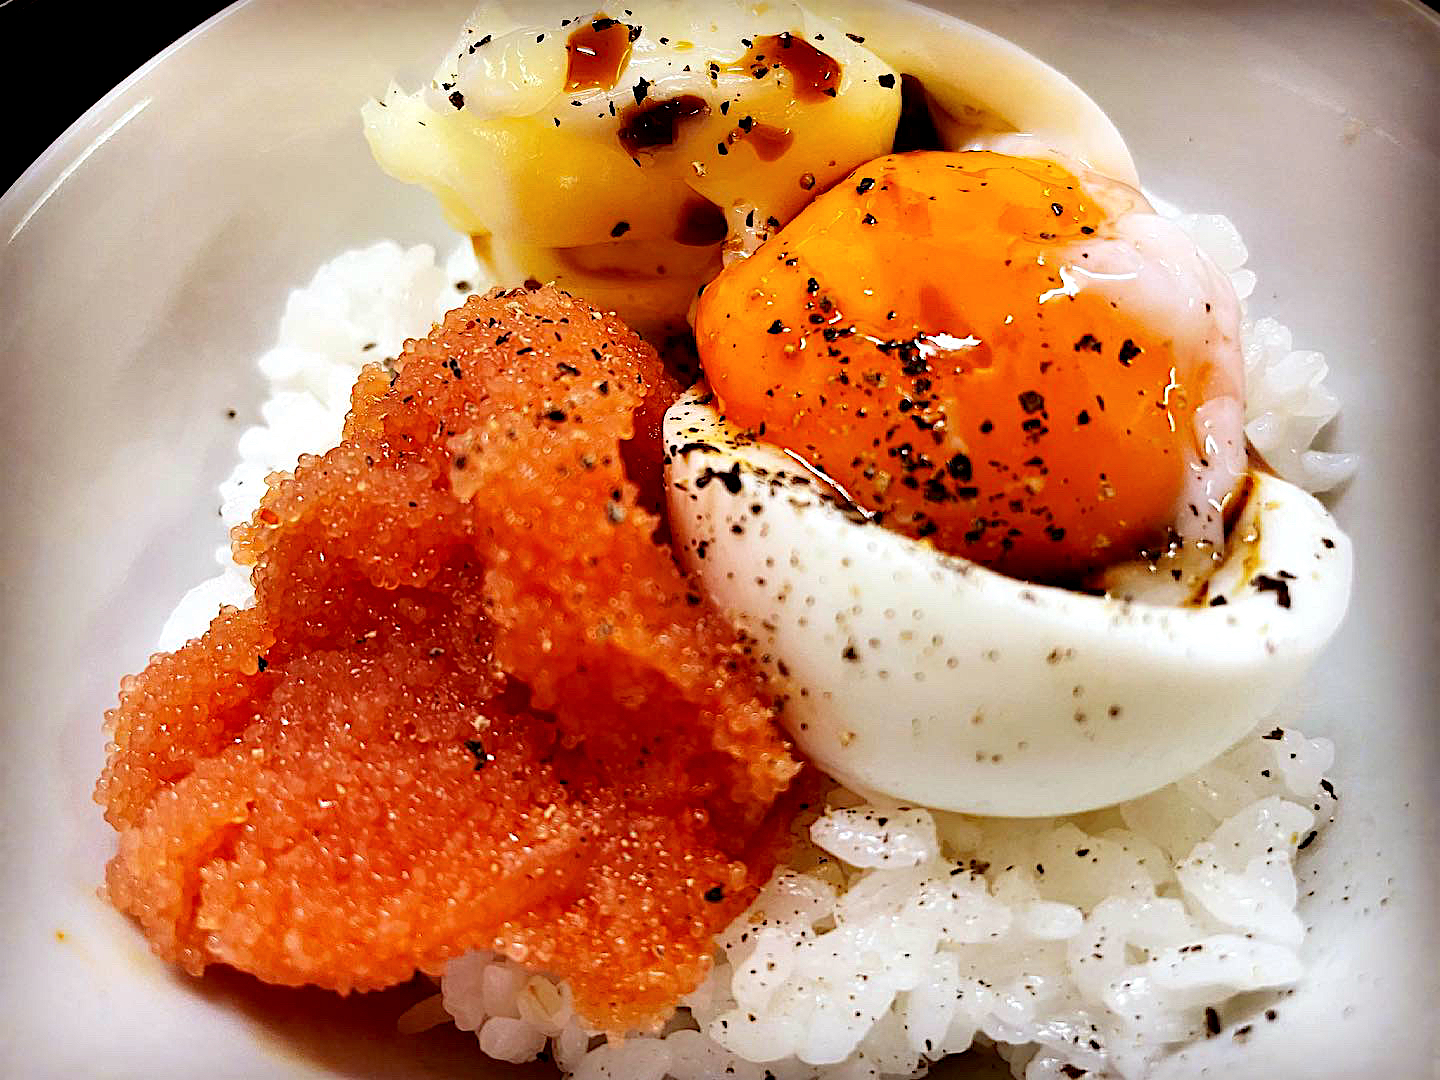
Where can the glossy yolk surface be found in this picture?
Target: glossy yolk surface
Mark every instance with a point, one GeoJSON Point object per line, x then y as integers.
{"type": "Point", "coordinates": [915, 335]}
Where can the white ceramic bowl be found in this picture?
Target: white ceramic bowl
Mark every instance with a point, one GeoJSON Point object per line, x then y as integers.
{"type": "Point", "coordinates": [146, 258]}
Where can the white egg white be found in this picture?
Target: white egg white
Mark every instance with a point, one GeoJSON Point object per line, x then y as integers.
{"type": "Point", "coordinates": [981, 84]}
{"type": "Point", "coordinates": [911, 674]}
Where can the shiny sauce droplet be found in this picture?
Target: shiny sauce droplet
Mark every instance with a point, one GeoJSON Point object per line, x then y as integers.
{"type": "Point", "coordinates": [701, 223]}
{"type": "Point", "coordinates": [598, 51]}
{"type": "Point", "coordinates": [654, 124]}
{"type": "Point", "coordinates": [814, 75]}
{"type": "Point", "coordinates": [768, 142]}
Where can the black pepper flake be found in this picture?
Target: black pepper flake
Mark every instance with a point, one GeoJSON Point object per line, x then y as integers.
{"type": "Point", "coordinates": [1307, 841]}
{"type": "Point", "coordinates": [640, 90]}
{"type": "Point", "coordinates": [1056, 209]}
{"type": "Point", "coordinates": [457, 99]}
{"type": "Point", "coordinates": [477, 748]}
{"type": "Point", "coordinates": [1279, 586]}
{"type": "Point", "coordinates": [1218, 601]}
{"type": "Point", "coordinates": [887, 81]}
{"type": "Point", "coordinates": [1128, 351]}
{"type": "Point", "coordinates": [620, 228]}
{"type": "Point", "coordinates": [868, 219]}
{"type": "Point", "coordinates": [1031, 401]}
{"type": "Point", "coordinates": [1274, 734]}
{"type": "Point", "coordinates": [850, 653]}
{"type": "Point", "coordinates": [730, 478]}
{"type": "Point", "coordinates": [856, 38]}
{"type": "Point", "coordinates": [1082, 417]}
{"type": "Point", "coordinates": [261, 663]}
{"type": "Point", "coordinates": [1087, 229]}
{"type": "Point", "coordinates": [714, 894]}
{"type": "Point", "coordinates": [776, 327]}
{"type": "Point", "coordinates": [558, 416]}
{"type": "Point", "coordinates": [1090, 342]}
{"type": "Point", "coordinates": [1212, 1021]}
{"type": "Point", "coordinates": [864, 185]}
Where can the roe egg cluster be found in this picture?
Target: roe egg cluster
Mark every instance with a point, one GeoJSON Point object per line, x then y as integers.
{"type": "Point", "coordinates": [475, 704]}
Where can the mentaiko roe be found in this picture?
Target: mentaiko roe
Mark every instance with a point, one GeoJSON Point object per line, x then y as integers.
{"type": "Point", "coordinates": [475, 704]}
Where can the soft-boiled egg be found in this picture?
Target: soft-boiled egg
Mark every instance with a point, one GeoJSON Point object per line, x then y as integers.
{"type": "Point", "coordinates": [620, 154]}
{"type": "Point", "coordinates": [929, 678]}
{"type": "Point", "coordinates": [1010, 356]}
{"type": "Point", "coordinates": [957, 377]}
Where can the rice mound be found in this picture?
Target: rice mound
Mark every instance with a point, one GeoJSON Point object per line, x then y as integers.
{"type": "Point", "coordinates": [1083, 945]}
{"type": "Point", "coordinates": [898, 936]}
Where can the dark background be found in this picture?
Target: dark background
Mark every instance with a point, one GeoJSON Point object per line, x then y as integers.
{"type": "Point", "coordinates": [72, 53]}
{"type": "Point", "coordinates": [82, 50]}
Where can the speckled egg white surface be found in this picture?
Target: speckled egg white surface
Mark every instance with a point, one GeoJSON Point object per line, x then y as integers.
{"type": "Point", "coordinates": [910, 674]}
{"type": "Point", "coordinates": [183, 219]}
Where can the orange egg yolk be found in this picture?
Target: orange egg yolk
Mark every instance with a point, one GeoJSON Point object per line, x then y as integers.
{"type": "Point", "coordinates": [910, 335]}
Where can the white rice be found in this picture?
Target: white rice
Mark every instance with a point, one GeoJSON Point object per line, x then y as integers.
{"type": "Point", "coordinates": [898, 935]}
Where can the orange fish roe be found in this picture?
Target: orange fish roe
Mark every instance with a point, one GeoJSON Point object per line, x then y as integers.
{"type": "Point", "coordinates": [475, 705]}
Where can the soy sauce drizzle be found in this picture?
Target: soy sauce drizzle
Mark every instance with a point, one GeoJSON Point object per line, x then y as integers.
{"type": "Point", "coordinates": [598, 52]}
{"type": "Point", "coordinates": [916, 129]}
{"type": "Point", "coordinates": [814, 75]}
{"type": "Point", "coordinates": [653, 124]}
{"type": "Point", "coordinates": [701, 223]}
{"type": "Point", "coordinates": [768, 142]}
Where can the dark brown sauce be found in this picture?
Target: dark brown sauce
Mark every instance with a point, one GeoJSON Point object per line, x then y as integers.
{"type": "Point", "coordinates": [1236, 503]}
{"type": "Point", "coordinates": [768, 142]}
{"type": "Point", "coordinates": [814, 75]}
{"type": "Point", "coordinates": [652, 125]}
{"type": "Point", "coordinates": [599, 51]}
{"type": "Point", "coordinates": [916, 129]}
{"type": "Point", "coordinates": [701, 223]}
{"type": "Point", "coordinates": [922, 117]}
